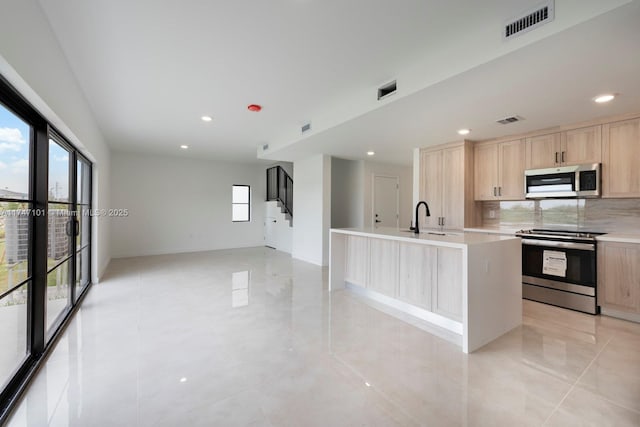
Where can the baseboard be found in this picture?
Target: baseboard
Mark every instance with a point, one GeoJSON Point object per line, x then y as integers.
{"type": "Point", "coordinates": [631, 317]}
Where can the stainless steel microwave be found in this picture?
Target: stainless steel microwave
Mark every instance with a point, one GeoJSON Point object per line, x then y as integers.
{"type": "Point", "coordinates": [564, 181]}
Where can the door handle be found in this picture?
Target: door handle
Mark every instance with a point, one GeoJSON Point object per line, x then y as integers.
{"type": "Point", "coordinates": [377, 221]}
{"type": "Point", "coordinates": [499, 191]}
{"type": "Point", "coordinates": [562, 158]}
{"type": "Point", "coordinates": [495, 193]}
{"type": "Point", "coordinates": [275, 220]}
{"type": "Point", "coordinates": [556, 157]}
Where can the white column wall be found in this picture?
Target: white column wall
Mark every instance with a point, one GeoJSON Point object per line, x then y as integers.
{"type": "Point", "coordinates": [312, 209]}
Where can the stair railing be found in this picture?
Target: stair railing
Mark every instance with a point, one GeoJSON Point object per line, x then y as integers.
{"type": "Point", "coordinates": [280, 188]}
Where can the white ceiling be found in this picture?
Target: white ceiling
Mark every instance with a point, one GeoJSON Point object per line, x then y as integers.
{"type": "Point", "coordinates": [151, 68]}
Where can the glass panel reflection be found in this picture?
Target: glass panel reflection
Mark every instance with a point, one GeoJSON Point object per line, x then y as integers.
{"type": "Point", "coordinates": [82, 270]}
{"type": "Point", "coordinates": [60, 228]}
{"type": "Point", "coordinates": [84, 183]}
{"type": "Point", "coordinates": [80, 220]}
{"type": "Point", "coordinates": [240, 288]}
{"type": "Point", "coordinates": [13, 332]}
{"type": "Point", "coordinates": [58, 172]}
{"type": "Point", "coordinates": [57, 293]}
{"type": "Point", "coordinates": [15, 146]}
{"type": "Point", "coordinates": [14, 244]}
{"type": "Point", "coordinates": [86, 224]}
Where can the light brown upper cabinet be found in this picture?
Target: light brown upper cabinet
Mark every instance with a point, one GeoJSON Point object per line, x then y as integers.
{"type": "Point", "coordinates": [621, 159]}
{"type": "Point", "coordinates": [445, 184]}
{"type": "Point", "coordinates": [582, 145]}
{"type": "Point", "coordinates": [499, 170]}
{"type": "Point", "coordinates": [571, 147]}
{"type": "Point", "coordinates": [543, 151]}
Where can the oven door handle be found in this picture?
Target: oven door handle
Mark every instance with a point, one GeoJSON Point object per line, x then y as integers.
{"type": "Point", "coordinates": [566, 245]}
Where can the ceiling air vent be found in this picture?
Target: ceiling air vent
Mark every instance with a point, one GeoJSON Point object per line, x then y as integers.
{"type": "Point", "coordinates": [386, 90]}
{"type": "Point", "coordinates": [306, 127]}
{"type": "Point", "coordinates": [510, 119]}
{"type": "Point", "coordinates": [530, 20]}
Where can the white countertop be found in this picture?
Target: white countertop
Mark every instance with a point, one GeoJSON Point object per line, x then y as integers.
{"type": "Point", "coordinates": [494, 230]}
{"type": "Point", "coordinates": [456, 239]}
{"type": "Point", "coordinates": [620, 237]}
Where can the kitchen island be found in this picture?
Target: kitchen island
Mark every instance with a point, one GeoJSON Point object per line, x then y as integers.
{"type": "Point", "coordinates": [467, 283]}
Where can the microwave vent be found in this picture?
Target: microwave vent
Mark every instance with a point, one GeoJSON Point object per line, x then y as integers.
{"type": "Point", "coordinates": [509, 119]}
{"type": "Point", "coordinates": [530, 20]}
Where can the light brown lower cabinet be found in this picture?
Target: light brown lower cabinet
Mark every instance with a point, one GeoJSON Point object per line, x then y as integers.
{"type": "Point", "coordinates": [417, 274]}
{"type": "Point", "coordinates": [426, 276]}
{"type": "Point", "coordinates": [383, 266]}
{"type": "Point", "coordinates": [619, 276]}
{"type": "Point", "coordinates": [447, 295]}
{"type": "Point", "coordinates": [357, 260]}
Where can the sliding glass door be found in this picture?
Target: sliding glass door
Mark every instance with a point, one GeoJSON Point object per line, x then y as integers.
{"type": "Point", "coordinates": [45, 238]}
{"type": "Point", "coordinates": [16, 205]}
{"type": "Point", "coordinates": [61, 226]}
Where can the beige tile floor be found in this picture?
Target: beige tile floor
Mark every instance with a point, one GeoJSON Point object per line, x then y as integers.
{"type": "Point", "coordinates": [192, 339]}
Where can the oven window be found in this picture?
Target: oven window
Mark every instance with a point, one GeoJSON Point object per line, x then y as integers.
{"type": "Point", "coordinates": [581, 265]}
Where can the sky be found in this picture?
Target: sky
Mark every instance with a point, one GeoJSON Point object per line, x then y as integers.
{"type": "Point", "coordinates": [14, 158]}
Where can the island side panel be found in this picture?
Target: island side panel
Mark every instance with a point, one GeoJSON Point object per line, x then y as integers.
{"type": "Point", "coordinates": [337, 260]}
{"type": "Point", "coordinates": [493, 292]}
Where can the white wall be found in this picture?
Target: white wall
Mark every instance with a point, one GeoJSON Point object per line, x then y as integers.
{"type": "Point", "coordinates": [312, 209]}
{"type": "Point", "coordinates": [282, 231]}
{"type": "Point", "coordinates": [179, 204]}
{"type": "Point", "coordinates": [405, 175]}
{"type": "Point", "coordinates": [33, 62]}
{"type": "Point", "coordinates": [347, 193]}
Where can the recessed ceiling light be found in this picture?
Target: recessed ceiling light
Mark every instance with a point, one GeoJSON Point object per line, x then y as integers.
{"type": "Point", "coordinates": [184, 147]}
{"type": "Point", "coordinates": [464, 131]}
{"type": "Point", "coordinates": [601, 99]}
{"type": "Point", "coordinates": [206, 118]}
{"type": "Point", "coordinates": [370, 153]}
{"type": "Point", "coordinates": [183, 380]}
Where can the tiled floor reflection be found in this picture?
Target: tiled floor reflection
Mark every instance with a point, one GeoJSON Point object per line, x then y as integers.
{"type": "Point", "coordinates": [252, 337]}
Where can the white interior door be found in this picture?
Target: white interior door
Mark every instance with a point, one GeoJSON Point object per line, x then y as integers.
{"type": "Point", "coordinates": [385, 201]}
{"type": "Point", "coordinates": [269, 232]}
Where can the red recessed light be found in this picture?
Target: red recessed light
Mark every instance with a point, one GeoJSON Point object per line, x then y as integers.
{"type": "Point", "coordinates": [254, 107]}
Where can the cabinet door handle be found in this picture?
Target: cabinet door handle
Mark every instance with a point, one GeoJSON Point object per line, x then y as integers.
{"type": "Point", "coordinates": [494, 191]}
{"type": "Point", "coordinates": [499, 191]}
{"type": "Point", "coordinates": [562, 158]}
{"type": "Point", "coordinates": [556, 157]}
{"type": "Point", "coordinates": [443, 221]}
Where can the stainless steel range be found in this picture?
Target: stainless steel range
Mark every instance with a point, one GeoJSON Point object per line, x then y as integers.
{"type": "Point", "coordinates": [559, 268]}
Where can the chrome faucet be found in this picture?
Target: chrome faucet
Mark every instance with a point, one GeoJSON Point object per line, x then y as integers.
{"type": "Point", "coordinates": [416, 229]}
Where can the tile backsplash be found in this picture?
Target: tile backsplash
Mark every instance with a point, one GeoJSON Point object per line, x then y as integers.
{"type": "Point", "coordinates": [606, 215]}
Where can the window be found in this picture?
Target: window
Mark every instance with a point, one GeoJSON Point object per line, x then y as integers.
{"type": "Point", "coordinates": [16, 209]}
{"type": "Point", "coordinates": [45, 246]}
{"type": "Point", "coordinates": [240, 202]}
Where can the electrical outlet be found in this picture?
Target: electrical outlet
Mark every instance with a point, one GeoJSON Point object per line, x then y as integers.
{"type": "Point", "coordinates": [492, 214]}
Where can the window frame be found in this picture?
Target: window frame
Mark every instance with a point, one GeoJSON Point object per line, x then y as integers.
{"type": "Point", "coordinates": [39, 341]}
{"type": "Point", "coordinates": [248, 203]}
